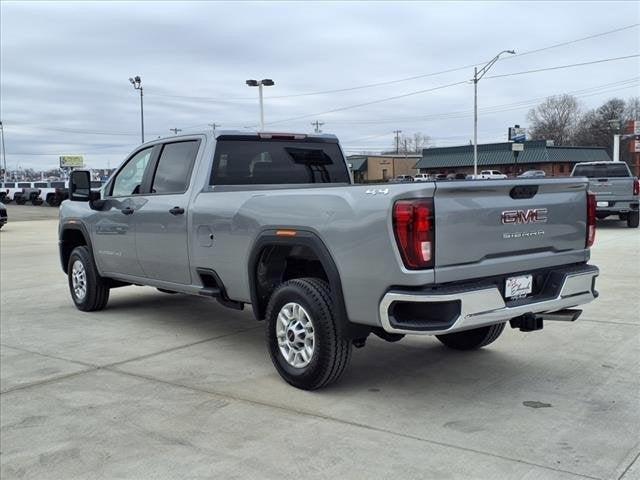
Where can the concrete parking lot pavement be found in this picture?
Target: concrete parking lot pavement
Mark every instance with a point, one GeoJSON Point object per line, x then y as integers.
{"type": "Point", "coordinates": [25, 213]}
{"type": "Point", "coordinates": [170, 386]}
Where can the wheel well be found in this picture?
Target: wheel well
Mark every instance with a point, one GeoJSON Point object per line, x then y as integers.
{"type": "Point", "coordinates": [277, 264]}
{"type": "Point", "coordinates": [71, 238]}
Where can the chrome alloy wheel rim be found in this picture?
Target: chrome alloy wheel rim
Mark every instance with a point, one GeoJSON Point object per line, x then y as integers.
{"type": "Point", "coordinates": [295, 334]}
{"type": "Point", "coordinates": [79, 280]}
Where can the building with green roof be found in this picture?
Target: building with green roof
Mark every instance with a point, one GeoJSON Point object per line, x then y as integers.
{"type": "Point", "coordinates": [537, 155]}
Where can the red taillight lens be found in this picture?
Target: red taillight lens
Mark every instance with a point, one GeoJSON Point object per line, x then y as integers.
{"type": "Point", "coordinates": [636, 186]}
{"type": "Point", "coordinates": [591, 219]}
{"type": "Point", "coordinates": [413, 225]}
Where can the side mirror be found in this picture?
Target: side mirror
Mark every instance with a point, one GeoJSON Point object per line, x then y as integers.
{"type": "Point", "coordinates": [80, 186]}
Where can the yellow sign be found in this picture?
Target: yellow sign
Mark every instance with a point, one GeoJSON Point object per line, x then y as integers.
{"type": "Point", "coordinates": [71, 161]}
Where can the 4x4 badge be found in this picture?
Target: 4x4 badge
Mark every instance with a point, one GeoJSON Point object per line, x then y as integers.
{"type": "Point", "coordinates": [375, 191]}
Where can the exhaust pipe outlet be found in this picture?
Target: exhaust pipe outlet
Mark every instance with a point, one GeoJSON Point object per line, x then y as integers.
{"type": "Point", "coordinates": [566, 315]}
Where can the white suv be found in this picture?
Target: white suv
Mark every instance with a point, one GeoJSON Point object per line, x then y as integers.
{"type": "Point", "coordinates": [422, 177]}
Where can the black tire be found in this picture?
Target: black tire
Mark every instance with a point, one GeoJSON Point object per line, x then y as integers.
{"type": "Point", "coordinates": [632, 219]}
{"type": "Point", "coordinates": [331, 351]}
{"type": "Point", "coordinates": [97, 289]}
{"type": "Point", "coordinates": [472, 339]}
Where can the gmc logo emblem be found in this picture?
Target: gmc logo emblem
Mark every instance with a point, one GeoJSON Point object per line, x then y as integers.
{"type": "Point", "coordinates": [533, 215]}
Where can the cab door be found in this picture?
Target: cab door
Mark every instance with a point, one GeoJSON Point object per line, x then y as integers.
{"type": "Point", "coordinates": [161, 223]}
{"type": "Point", "coordinates": [114, 239]}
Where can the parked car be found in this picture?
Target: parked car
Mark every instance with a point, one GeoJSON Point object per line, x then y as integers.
{"type": "Point", "coordinates": [422, 177]}
{"type": "Point", "coordinates": [615, 188]}
{"type": "Point", "coordinates": [402, 179]}
{"type": "Point", "coordinates": [27, 192]}
{"type": "Point", "coordinates": [248, 219]}
{"type": "Point", "coordinates": [489, 175]}
{"type": "Point", "coordinates": [456, 176]}
{"type": "Point", "coordinates": [60, 193]}
{"type": "Point", "coordinates": [10, 189]}
{"type": "Point", "coordinates": [3, 215]}
{"type": "Point", "coordinates": [440, 176]}
{"type": "Point", "coordinates": [532, 174]}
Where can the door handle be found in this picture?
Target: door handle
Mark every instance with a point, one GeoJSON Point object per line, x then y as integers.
{"type": "Point", "coordinates": [176, 211]}
{"type": "Point", "coordinates": [127, 210]}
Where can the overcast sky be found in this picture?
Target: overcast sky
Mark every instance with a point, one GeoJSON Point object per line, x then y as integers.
{"type": "Point", "coordinates": [65, 69]}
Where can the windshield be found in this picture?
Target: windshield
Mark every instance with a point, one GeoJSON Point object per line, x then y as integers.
{"type": "Point", "coordinates": [617, 169]}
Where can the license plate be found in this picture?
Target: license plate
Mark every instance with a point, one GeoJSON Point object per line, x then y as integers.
{"type": "Point", "coordinates": [520, 286]}
{"type": "Point", "coordinates": [603, 204]}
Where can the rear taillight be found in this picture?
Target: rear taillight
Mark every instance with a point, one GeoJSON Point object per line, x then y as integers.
{"type": "Point", "coordinates": [591, 219]}
{"type": "Point", "coordinates": [636, 186]}
{"type": "Point", "coordinates": [414, 228]}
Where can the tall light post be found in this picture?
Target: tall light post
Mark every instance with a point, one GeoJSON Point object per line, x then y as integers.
{"type": "Point", "coordinates": [137, 84]}
{"type": "Point", "coordinates": [4, 154]}
{"type": "Point", "coordinates": [266, 82]}
{"type": "Point", "coordinates": [477, 75]}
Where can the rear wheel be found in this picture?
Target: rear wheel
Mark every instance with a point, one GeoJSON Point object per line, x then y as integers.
{"type": "Point", "coordinates": [472, 339]}
{"type": "Point", "coordinates": [304, 340]}
{"type": "Point", "coordinates": [89, 290]}
{"type": "Point", "coordinates": [632, 219]}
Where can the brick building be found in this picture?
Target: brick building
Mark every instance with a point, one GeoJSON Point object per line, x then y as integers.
{"type": "Point", "coordinates": [380, 168]}
{"type": "Point", "coordinates": [537, 155]}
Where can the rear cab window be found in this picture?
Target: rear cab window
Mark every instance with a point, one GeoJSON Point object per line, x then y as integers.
{"type": "Point", "coordinates": [617, 169]}
{"type": "Point", "coordinates": [248, 160]}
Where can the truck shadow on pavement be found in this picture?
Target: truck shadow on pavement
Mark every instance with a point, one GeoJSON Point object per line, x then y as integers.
{"type": "Point", "coordinates": [234, 341]}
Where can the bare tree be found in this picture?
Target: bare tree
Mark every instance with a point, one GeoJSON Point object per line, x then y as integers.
{"type": "Point", "coordinates": [555, 119]}
{"type": "Point", "coordinates": [597, 127]}
{"type": "Point", "coordinates": [632, 109]}
{"type": "Point", "coordinates": [412, 143]}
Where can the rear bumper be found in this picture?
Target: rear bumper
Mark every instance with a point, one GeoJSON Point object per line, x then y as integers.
{"type": "Point", "coordinates": [463, 307]}
{"type": "Point", "coordinates": [614, 207]}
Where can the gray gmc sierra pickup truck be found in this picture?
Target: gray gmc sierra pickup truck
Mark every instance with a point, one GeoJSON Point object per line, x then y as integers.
{"type": "Point", "coordinates": [274, 221]}
{"type": "Point", "coordinates": [615, 188]}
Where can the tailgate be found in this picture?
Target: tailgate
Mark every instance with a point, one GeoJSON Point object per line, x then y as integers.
{"type": "Point", "coordinates": [497, 223]}
{"type": "Point", "coordinates": [611, 188]}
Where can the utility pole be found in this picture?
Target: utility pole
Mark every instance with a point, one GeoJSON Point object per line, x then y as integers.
{"type": "Point", "coordinates": [4, 154]}
{"type": "Point", "coordinates": [213, 126]}
{"type": "Point", "coordinates": [477, 75]}
{"type": "Point", "coordinates": [175, 130]}
{"type": "Point", "coordinates": [397, 132]}
{"type": "Point", "coordinates": [317, 125]}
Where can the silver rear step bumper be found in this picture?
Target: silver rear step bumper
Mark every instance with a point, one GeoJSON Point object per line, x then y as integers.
{"type": "Point", "coordinates": [486, 306]}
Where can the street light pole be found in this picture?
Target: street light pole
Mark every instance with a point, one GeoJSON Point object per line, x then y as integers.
{"type": "Point", "coordinates": [477, 75]}
{"type": "Point", "coordinates": [137, 84]}
{"type": "Point", "coordinates": [266, 82]}
{"type": "Point", "coordinates": [4, 154]}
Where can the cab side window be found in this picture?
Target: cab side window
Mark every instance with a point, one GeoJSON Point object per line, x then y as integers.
{"type": "Point", "coordinates": [174, 167]}
{"type": "Point", "coordinates": [129, 179]}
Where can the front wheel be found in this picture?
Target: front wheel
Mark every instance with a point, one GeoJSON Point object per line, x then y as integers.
{"type": "Point", "coordinates": [304, 340]}
{"type": "Point", "coordinates": [89, 290]}
{"type": "Point", "coordinates": [472, 339]}
{"type": "Point", "coordinates": [632, 219]}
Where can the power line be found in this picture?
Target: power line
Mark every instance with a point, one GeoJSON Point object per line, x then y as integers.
{"type": "Point", "coordinates": [440, 87]}
{"type": "Point", "coordinates": [564, 66]}
{"type": "Point", "coordinates": [414, 77]}
{"type": "Point", "coordinates": [373, 102]}
{"type": "Point", "coordinates": [595, 90]}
